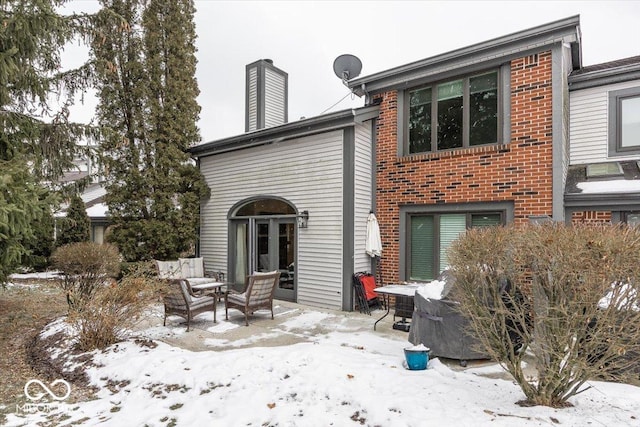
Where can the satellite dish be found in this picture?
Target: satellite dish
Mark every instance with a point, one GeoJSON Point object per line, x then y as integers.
{"type": "Point", "coordinates": [347, 67]}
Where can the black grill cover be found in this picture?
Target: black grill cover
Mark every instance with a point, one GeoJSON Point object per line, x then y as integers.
{"type": "Point", "coordinates": [437, 325]}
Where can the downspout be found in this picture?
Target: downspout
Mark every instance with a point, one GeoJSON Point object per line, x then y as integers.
{"type": "Point", "coordinates": [367, 97]}
{"type": "Point", "coordinates": [198, 231]}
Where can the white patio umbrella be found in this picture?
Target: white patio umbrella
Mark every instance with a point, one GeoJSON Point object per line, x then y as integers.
{"type": "Point", "coordinates": [373, 246]}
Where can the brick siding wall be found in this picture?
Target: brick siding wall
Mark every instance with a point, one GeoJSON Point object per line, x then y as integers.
{"type": "Point", "coordinates": [591, 217]}
{"type": "Point", "coordinates": [520, 171]}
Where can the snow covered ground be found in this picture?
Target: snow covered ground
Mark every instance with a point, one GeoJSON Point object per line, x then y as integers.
{"type": "Point", "coordinates": [339, 378]}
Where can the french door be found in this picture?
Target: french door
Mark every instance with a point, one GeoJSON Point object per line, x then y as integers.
{"type": "Point", "coordinates": [265, 244]}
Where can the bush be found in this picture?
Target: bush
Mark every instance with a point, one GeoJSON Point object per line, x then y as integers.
{"type": "Point", "coordinates": [75, 226]}
{"type": "Point", "coordinates": [542, 287]}
{"type": "Point", "coordinates": [85, 267]}
{"type": "Point", "coordinates": [146, 268]}
{"type": "Point", "coordinates": [113, 310]}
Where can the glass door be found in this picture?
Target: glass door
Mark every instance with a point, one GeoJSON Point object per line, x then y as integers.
{"type": "Point", "coordinates": [241, 249]}
{"type": "Point", "coordinates": [275, 250]}
{"type": "Point", "coordinates": [262, 237]}
{"type": "Point", "coordinates": [286, 256]}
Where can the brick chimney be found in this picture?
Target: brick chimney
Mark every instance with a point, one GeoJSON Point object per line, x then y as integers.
{"type": "Point", "coordinates": [266, 96]}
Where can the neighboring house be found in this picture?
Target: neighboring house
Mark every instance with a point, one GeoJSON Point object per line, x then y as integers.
{"type": "Point", "coordinates": [604, 177]}
{"type": "Point", "coordinates": [292, 197]}
{"type": "Point", "coordinates": [473, 137]}
{"type": "Point", "coordinates": [92, 196]}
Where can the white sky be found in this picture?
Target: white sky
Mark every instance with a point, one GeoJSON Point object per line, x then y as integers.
{"type": "Point", "coordinates": [303, 38]}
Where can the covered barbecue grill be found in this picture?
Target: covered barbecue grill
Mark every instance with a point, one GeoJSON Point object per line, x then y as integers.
{"type": "Point", "coordinates": [439, 326]}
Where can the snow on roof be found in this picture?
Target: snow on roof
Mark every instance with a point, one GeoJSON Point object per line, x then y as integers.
{"type": "Point", "coordinates": [610, 186]}
{"type": "Point", "coordinates": [97, 210]}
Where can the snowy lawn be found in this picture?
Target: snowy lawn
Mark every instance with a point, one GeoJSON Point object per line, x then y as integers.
{"type": "Point", "coordinates": [337, 379]}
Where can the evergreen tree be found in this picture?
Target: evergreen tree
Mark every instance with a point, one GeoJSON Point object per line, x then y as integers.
{"type": "Point", "coordinates": [148, 96]}
{"type": "Point", "coordinates": [37, 142]}
{"type": "Point", "coordinates": [41, 245]}
{"type": "Point", "coordinates": [75, 226]}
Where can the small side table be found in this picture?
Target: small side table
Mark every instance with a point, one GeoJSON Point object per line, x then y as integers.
{"type": "Point", "coordinates": [213, 289]}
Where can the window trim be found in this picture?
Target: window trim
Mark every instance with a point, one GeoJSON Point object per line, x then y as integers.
{"type": "Point", "coordinates": [503, 114]}
{"type": "Point", "coordinates": [505, 209]}
{"type": "Point", "coordinates": [615, 99]}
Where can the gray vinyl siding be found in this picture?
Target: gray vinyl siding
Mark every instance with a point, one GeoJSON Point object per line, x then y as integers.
{"type": "Point", "coordinates": [307, 172]}
{"type": "Point", "coordinates": [252, 100]}
{"type": "Point", "coordinates": [275, 102]}
{"type": "Point", "coordinates": [561, 69]}
{"type": "Point", "coordinates": [362, 195]}
{"type": "Point", "coordinates": [589, 124]}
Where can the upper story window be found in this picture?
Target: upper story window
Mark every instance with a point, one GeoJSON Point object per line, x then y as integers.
{"type": "Point", "coordinates": [624, 122]}
{"type": "Point", "coordinates": [453, 114]}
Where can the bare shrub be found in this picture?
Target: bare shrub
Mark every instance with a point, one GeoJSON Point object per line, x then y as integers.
{"type": "Point", "coordinates": [85, 267]}
{"type": "Point", "coordinates": [114, 310]}
{"type": "Point", "coordinates": [569, 293]}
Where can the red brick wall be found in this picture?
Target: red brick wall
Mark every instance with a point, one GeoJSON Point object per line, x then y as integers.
{"type": "Point", "coordinates": [520, 171]}
{"type": "Point", "coordinates": [591, 217]}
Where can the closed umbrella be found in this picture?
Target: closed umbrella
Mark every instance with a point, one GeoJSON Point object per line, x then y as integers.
{"type": "Point", "coordinates": [373, 246]}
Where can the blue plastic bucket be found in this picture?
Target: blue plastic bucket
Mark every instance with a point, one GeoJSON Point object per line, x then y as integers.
{"type": "Point", "coordinates": [417, 360]}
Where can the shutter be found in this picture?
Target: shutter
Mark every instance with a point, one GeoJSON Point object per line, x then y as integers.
{"type": "Point", "coordinates": [451, 226]}
{"type": "Point", "coordinates": [422, 248]}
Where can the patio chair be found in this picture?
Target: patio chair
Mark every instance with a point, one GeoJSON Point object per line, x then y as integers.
{"type": "Point", "coordinates": [364, 284]}
{"type": "Point", "coordinates": [180, 301]}
{"type": "Point", "coordinates": [257, 295]}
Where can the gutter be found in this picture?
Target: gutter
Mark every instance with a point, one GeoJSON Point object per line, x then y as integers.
{"type": "Point", "coordinates": [562, 31]}
{"type": "Point", "coordinates": [287, 131]}
{"type": "Point", "coordinates": [604, 77]}
{"type": "Point", "coordinates": [601, 199]}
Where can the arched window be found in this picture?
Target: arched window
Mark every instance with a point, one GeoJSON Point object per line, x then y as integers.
{"type": "Point", "coordinates": [262, 207]}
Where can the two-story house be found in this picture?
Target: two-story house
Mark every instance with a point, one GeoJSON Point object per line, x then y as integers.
{"type": "Point", "coordinates": [510, 130]}
{"type": "Point", "coordinates": [289, 196]}
{"type": "Point", "coordinates": [472, 137]}
{"type": "Point", "coordinates": [603, 183]}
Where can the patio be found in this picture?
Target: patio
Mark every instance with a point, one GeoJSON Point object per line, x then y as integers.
{"type": "Point", "coordinates": [293, 323]}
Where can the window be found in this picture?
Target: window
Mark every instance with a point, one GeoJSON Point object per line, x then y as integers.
{"type": "Point", "coordinates": [432, 234]}
{"type": "Point", "coordinates": [604, 169]}
{"type": "Point", "coordinates": [624, 122]}
{"type": "Point", "coordinates": [453, 114]}
{"type": "Point", "coordinates": [632, 218]}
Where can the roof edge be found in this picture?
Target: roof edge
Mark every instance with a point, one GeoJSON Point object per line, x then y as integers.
{"type": "Point", "coordinates": [326, 122]}
{"type": "Point", "coordinates": [559, 28]}
{"type": "Point", "coordinates": [600, 199]}
{"type": "Point", "coordinates": [605, 76]}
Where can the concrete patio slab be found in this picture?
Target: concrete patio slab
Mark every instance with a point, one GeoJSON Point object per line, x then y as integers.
{"type": "Point", "coordinates": [292, 323]}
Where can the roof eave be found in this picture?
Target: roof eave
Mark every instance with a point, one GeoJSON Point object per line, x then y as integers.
{"type": "Point", "coordinates": [600, 199]}
{"type": "Point", "coordinates": [604, 77]}
{"type": "Point", "coordinates": [562, 31]}
{"type": "Point", "coordinates": [323, 123]}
